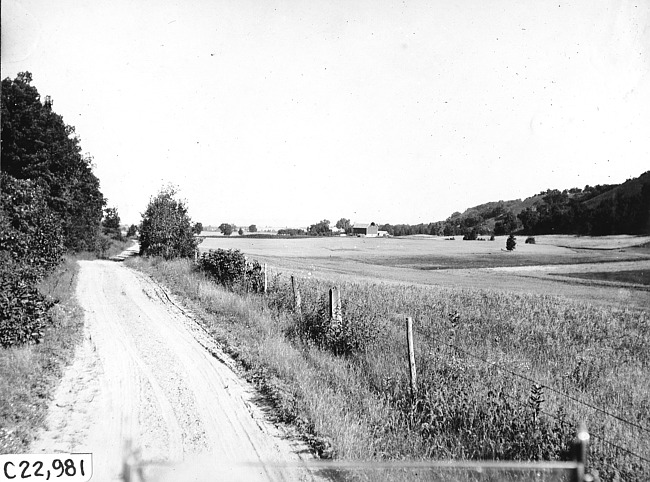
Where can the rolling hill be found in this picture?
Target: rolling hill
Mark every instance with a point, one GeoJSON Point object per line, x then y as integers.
{"type": "Point", "coordinates": [598, 210]}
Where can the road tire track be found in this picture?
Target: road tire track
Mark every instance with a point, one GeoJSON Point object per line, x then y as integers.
{"type": "Point", "coordinates": [149, 375]}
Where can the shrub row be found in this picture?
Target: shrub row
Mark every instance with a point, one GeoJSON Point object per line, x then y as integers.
{"type": "Point", "coordinates": [231, 269]}
{"type": "Point", "coordinates": [31, 245]}
{"type": "Point", "coordinates": [24, 312]}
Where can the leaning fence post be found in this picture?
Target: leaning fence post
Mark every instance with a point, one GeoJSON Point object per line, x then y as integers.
{"type": "Point", "coordinates": [581, 446]}
{"type": "Point", "coordinates": [411, 354]}
{"type": "Point", "coordinates": [335, 306]}
{"type": "Point", "coordinates": [245, 270]}
{"type": "Point", "coordinates": [296, 296]}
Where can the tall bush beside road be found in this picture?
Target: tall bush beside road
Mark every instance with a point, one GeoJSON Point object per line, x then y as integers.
{"type": "Point", "coordinates": [29, 374]}
{"type": "Point", "coordinates": [49, 202]}
{"type": "Point", "coordinates": [31, 245]}
{"type": "Point", "coordinates": [166, 229]}
{"type": "Point", "coordinates": [31, 241]}
{"type": "Point", "coordinates": [230, 269]}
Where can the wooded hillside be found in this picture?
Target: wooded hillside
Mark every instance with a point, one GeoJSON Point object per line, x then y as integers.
{"type": "Point", "coordinates": [594, 210]}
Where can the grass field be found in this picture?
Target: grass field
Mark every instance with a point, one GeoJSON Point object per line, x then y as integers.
{"type": "Point", "coordinates": [426, 260]}
{"type": "Point", "coordinates": [633, 276]}
{"type": "Point", "coordinates": [547, 250]}
{"type": "Point", "coordinates": [509, 358]}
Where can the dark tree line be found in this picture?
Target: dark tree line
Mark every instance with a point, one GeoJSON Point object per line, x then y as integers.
{"type": "Point", "coordinates": [558, 212]}
{"type": "Point", "coordinates": [562, 213]}
{"type": "Point", "coordinates": [292, 232]}
{"type": "Point", "coordinates": [37, 145]}
{"type": "Point", "coordinates": [49, 202]}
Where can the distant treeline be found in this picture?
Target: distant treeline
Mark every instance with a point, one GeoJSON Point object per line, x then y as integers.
{"type": "Point", "coordinates": [561, 213]}
{"type": "Point", "coordinates": [595, 210]}
{"type": "Point", "coordinates": [292, 232]}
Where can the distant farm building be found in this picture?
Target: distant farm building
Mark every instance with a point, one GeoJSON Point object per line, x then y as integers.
{"type": "Point", "coordinates": [370, 230]}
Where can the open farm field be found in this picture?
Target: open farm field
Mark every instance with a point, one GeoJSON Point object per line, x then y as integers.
{"type": "Point", "coordinates": [429, 252]}
{"type": "Point", "coordinates": [425, 260]}
{"type": "Point", "coordinates": [510, 358]}
{"type": "Point", "coordinates": [641, 277]}
{"type": "Point", "coordinates": [621, 241]}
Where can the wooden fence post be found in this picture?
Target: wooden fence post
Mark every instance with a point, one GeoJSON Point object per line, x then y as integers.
{"type": "Point", "coordinates": [411, 355]}
{"type": "Point", "coordinates": [296, 296]}
{"type": "Point", "coordinates": [266, 280]}
{"type": "Point", "coordinates": [245, 270]}
{"type": "Point", "coordinates": [581, 446]}
{"type": "Point", "coordinates": [335, 306]}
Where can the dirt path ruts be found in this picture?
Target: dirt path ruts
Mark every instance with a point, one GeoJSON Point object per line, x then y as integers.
{"type": "Point", "coordinates": [148, 373]}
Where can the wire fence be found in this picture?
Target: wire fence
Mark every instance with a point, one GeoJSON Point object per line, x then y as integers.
{"type": "Point", "coordinates": [608, 430]}
{"type": "Point", "coordinates": [601, 420]}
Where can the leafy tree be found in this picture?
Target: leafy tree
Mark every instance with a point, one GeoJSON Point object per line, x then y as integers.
{"type": "Point", "coordinates": [252, 228]}
{"type": "Point", "coordinates": [240, 232]}
{"type": "Point", "coordinates": [111, 223]}
{"type": "Point", "coordinates": [320, 229]}
{"type": "Point", "coordinates": [49, 200]}
{"type": "Point", "coordinates": [166, 227]}
{"type": "Point", "coordinates": [510, 221]}
{"type": "Point", "coordinates": [506, 224]}
{"type": "Point", "coordinates": [102, 245]}
{"type": "Point", "coordinates": [132, 231]}
{"type": "Point", "coordinates": [197, 228]}
{"type": "Point", "coordinates": [38, 145]}
{"type": "Point", "coordinates": [31, 242]}
{"type": "Point", "coordinates": [529, 218]}
{"type": "Point", "coordinates": [31, 245]}
{"type": "Point", "coordinates": [471, 235]}
{"type": "Point", "coordinates": [511, 242]}
{"type": "Point", "coordinates": [344, 224]}
{"type": "Point", "coordinates": [226, 229]}
{"type": "Point", "coordinates": [641, 220]}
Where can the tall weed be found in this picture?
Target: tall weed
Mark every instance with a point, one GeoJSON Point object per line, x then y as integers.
{"type": "Point", "coordinates": [500, 375]}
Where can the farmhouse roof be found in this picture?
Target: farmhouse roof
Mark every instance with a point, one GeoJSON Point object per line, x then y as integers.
{"type": "Point", "coordinates": [361, 225]}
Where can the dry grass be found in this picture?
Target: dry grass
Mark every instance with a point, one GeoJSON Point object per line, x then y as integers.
{"type": "Point", "coordinates": [437, 262]}
{"type": "Point", "coordinates": [29, 374]}
{"type": "Point", "coordinates": [640, 277]}
{"type": "Point", "coordinates": [470, 404]}
{"type": "Point", "coordinates": [292, 376]}
{"type": "Point", "coordinates": [430, 251]}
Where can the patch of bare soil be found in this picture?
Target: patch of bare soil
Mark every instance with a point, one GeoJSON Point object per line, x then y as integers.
{"type": "Point", "coordinates": [148, 376]}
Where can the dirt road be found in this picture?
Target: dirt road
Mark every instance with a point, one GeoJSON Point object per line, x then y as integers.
{"type": "Point", "coordinates": [147, 373]}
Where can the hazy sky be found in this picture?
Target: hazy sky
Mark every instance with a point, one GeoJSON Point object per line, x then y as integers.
{"type": "Point", "coordinates": [284, 113]}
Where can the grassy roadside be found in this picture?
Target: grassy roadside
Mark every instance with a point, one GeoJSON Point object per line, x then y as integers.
{"type": "Point", "coordinates": [357, 407]}
{"type": "Point", "coordinates": [322, 394]}
{"type": "Point", "coordinates": [29, 373]}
